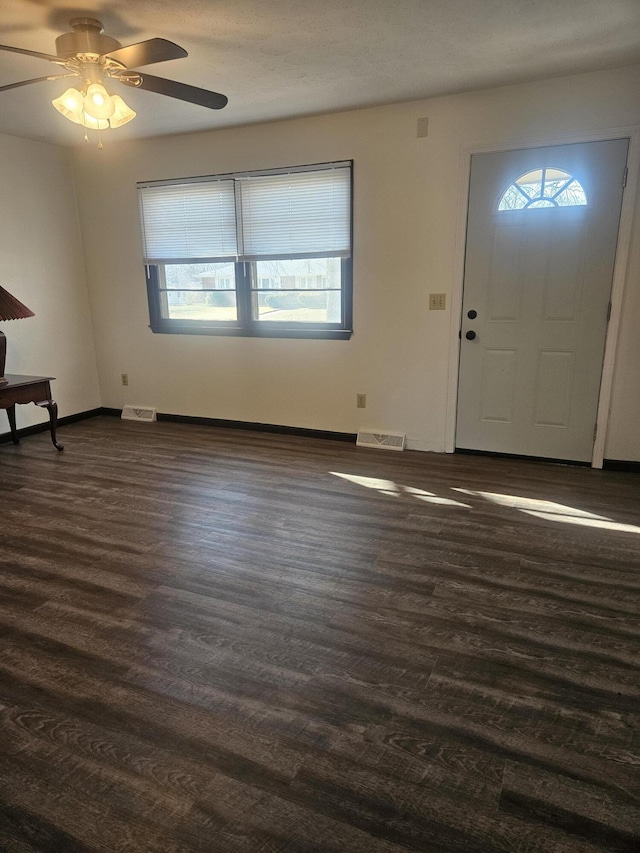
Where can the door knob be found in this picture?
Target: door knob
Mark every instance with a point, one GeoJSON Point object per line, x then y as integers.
{"type": "Point", "coordinates": [470, 335]}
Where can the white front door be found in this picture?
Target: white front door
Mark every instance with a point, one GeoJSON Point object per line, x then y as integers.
{"type": "Point", "coordinates": [541, 240]}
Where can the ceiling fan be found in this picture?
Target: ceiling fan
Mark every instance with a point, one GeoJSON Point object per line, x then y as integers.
{"type": "Point", "coordinates": [94, 57]}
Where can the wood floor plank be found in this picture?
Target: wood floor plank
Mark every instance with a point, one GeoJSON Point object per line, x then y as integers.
{"type": "Point", "coordinates": [570, 804]}
{"type": "Point", "coordinates": [239, 641]}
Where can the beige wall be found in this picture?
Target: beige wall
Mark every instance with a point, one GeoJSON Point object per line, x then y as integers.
{"type": "Point", "coordinates": [407, 209]}
{"type": "Point", "coordinates": [42, 264]}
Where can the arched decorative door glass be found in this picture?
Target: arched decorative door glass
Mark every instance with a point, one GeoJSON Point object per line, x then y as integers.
{"type": "Point", "coordinates": [545, 187]}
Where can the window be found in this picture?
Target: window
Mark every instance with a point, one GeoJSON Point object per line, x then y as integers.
{"type": "Point", "coordinates": [546, 187]}
{"type": "Point", "coordinates": [253, 253]}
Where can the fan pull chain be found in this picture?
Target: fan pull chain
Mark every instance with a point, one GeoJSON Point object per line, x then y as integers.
{"type": "Point", "coordinates": [86, 139]}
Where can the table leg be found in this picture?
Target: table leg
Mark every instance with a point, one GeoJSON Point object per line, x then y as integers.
{"type": "Point", "coordinates": [52, 407]}
{"type": "Point", "coordinates": [11, 414]}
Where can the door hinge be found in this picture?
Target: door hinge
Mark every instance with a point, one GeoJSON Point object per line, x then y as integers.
{"type": "Point", "coordinates": [608, 312]}
{"type": "Point", "coordinates": [595, 432]}
{"type": "Point", "coordinates": [625, 176]}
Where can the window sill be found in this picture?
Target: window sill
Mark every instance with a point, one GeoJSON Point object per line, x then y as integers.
{"type": "Point", "coordinates": [259, 332]}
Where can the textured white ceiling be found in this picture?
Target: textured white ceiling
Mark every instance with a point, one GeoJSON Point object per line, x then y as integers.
{"type": "Point", "coordinates": [280, 58]}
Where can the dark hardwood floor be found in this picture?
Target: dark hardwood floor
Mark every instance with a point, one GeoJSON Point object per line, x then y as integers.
{"type": "Point", "coordinates": [215, 640]}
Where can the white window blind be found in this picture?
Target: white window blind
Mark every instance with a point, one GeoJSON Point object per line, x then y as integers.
{"type": "Point", "coordinates": [283, 213]}
{"type": "Point", "coordinates": [189, 220]}
{"type": "Point", "coordinates": [297, 214]}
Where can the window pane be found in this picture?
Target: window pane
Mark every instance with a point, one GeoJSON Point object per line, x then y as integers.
{"type": "Point", "coordinates": [512, 200]}
{"type": "Point", "coordinates": [199, 292]}
{"type": "Point", "coordinates": [531, 183]}
{"type": "Point", "coordinates": [572, 196]}
{"type": "Point", "coordinates": [296, 306]}
{"type": "Point", "coordinates": [299, 291]}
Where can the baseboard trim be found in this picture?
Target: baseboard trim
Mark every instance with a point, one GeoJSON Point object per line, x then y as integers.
{"type": "Point", "coordinates": [5, 437]}
{"type": "Point", "coordinates": [258, 427]}
{"type": "Point", "coordinates": [221, 423]}
{"type": "Point", "coordinates": [621, 465]}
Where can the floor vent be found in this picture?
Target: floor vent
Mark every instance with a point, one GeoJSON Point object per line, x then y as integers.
{"type": "Point", "coordinates": [139, 413]}
{"type": "Point", "coordinates": [383, 440]}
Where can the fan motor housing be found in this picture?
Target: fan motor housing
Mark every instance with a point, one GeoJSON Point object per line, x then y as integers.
{"type": "Point", "coordinates": [86, 38]}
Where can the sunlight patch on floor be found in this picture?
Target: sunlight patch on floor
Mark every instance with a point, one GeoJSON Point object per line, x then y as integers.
{"type": "Point", "coordinates": [436, 499]}
{"type": "Point", "coordinates": [369, 482]}
{"type": "Point", "coordinates": [594, 521]}
{"type": "Point", "coordinates": [547, 510]}
{"type": "Point", "coordinates": [525, 504]}
{"type": "Point", "coordinates": [388, 487]}
{"type": "Point", "coordinates": [552, 511]}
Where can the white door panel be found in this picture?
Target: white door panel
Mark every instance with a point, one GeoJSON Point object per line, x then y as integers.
{"type": "Point", "coordinates": [539, 280]}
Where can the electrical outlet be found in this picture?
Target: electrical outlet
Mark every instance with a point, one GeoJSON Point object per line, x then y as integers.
{"type": "Point", "coordinates": [437, 301]}
{"type": "Point", "coordinates": [361, 401]}
{"type": "Point", "coordinates": [125, 378]}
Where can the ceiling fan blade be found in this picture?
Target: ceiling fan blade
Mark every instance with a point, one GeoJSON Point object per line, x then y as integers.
{"type": "Point", "coordinates": [147, 52]}
{"type": "Point", "coordinates": [34, 80]}
{"type": "Point", "coordinates": [47, 56]}
{"type": "Point", "coordinates": [181, 91]}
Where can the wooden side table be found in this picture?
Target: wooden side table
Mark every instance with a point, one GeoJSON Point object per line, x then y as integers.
{"type": "Point", "coordinates": [29, 389]}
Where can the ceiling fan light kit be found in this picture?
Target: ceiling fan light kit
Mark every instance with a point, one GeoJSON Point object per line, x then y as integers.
{"type": "Point", "coordinates": [98, 102]}
{"type": "Point", "coordinates": [122, 112]}
{"type": "Point", "coordinates": [109, 111]}
{"type": "Point", "coordinates": [88, 53]}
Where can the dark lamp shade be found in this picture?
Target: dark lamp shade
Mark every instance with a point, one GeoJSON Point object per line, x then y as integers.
{"type": "Point", "coordinates": [11, 308]}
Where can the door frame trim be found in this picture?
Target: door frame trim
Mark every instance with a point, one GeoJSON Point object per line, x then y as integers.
{"type": "Point", "coordinates": [620, 268]}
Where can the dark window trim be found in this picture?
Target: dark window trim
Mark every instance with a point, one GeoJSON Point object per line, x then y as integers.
{"type": "Point", "coordinates": [246, 326]}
